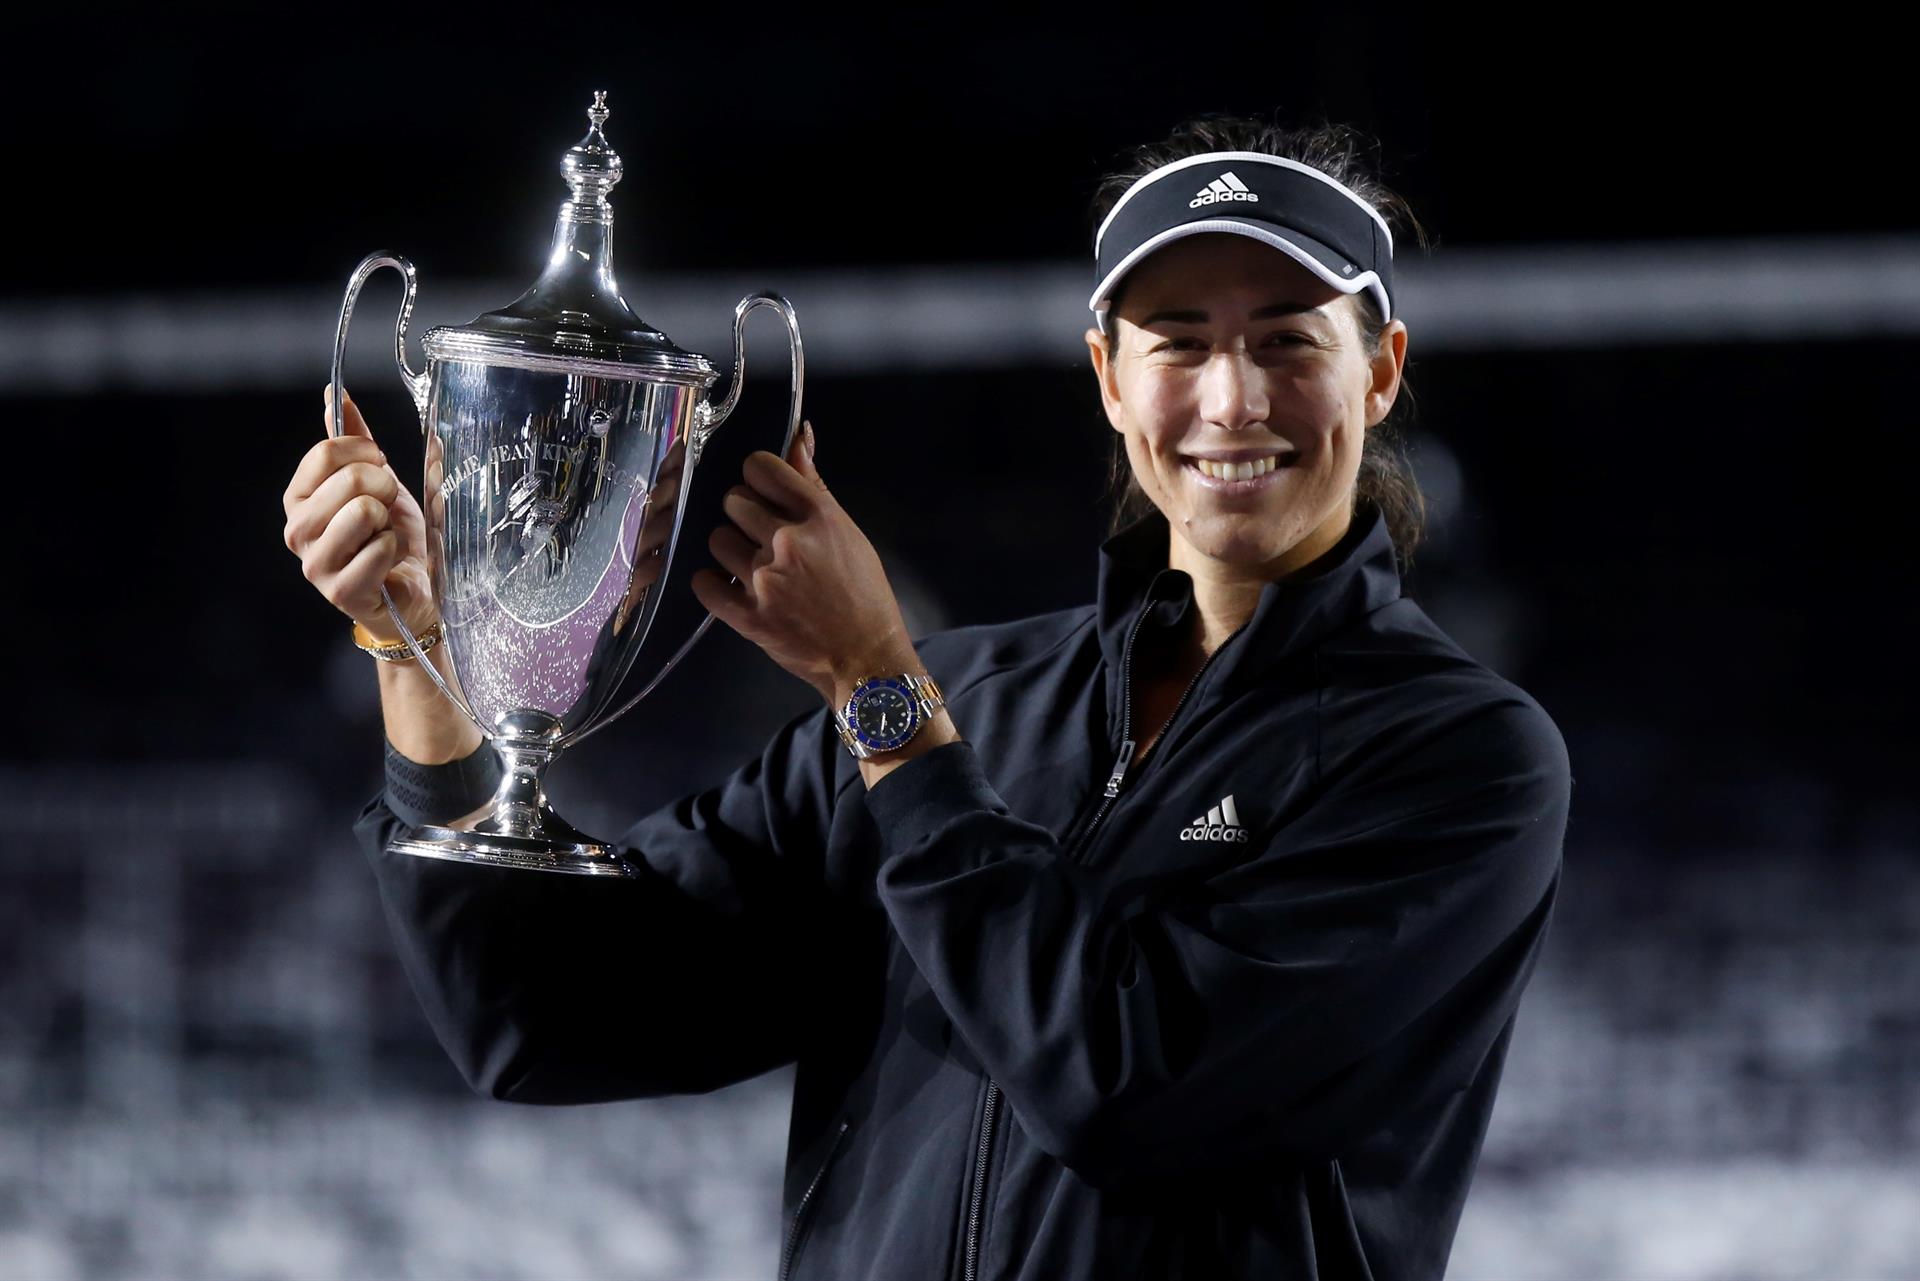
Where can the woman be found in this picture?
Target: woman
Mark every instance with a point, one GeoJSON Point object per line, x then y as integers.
{"type": "Point", "coordinates": [1184, 940]}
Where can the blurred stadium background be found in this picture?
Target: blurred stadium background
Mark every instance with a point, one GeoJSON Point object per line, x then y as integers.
{"type": "Point", "coordinates": [1658, 351]}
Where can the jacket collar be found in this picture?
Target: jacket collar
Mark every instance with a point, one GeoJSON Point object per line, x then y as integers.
{"type": "Point", "coordinates": [1355, 577]}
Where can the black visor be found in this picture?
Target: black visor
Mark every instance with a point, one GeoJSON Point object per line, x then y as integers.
{"type": "Point", "coordinates": [1292, 207]}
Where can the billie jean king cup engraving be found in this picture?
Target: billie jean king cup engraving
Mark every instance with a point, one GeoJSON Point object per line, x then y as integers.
{"type": "Point", "coordinates": [542, 535]}
{"type": "Point", "coordinates": [562, 434]}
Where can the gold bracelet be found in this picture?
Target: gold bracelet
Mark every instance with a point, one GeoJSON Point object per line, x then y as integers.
{"type": "Point", "coordinates": [395, 651]}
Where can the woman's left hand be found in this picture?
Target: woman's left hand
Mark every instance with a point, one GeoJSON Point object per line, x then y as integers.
{"type": "Point", "coordinates": [811, 591]}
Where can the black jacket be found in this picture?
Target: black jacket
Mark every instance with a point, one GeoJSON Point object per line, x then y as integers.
{"type": "Point", "coordinates": [1244, 1018]}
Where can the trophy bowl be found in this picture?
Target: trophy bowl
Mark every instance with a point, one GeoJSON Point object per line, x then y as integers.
{"type": "Point", "coordinates": [561, 435]}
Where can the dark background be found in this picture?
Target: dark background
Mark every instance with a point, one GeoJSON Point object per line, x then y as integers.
{"type": "Point", "coordinates": [1681, 524]}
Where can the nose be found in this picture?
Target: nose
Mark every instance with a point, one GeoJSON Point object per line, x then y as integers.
{"type": "Point", "coordinates": [1232, 392]}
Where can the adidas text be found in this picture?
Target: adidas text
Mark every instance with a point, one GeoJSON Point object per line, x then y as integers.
{"type": "Point", "coordinates": [1213, 832]}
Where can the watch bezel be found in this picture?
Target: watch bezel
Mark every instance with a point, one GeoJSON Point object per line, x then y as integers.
{"type": "Point", "coordinates": [866, 688]}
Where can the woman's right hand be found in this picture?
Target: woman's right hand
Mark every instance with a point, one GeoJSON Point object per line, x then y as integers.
{"type": "Point", "coordinates": [355, 527]}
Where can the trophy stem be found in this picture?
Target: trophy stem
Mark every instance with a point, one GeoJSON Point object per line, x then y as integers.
{"type": "Point", "coordinates": [517, 827]}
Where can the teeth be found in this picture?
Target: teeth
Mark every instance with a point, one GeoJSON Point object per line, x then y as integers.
{"type": "Point", "coordinates": [1237, 471]}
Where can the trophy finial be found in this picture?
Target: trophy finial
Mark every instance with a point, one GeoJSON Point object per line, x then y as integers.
{"type": "Point", "coordinates": [592, 166]}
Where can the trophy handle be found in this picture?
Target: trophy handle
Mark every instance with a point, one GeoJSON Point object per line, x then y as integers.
{"type": "Point", "coordinates": [707, 418]}
{"type": "Point", "coordinates": [417, 387]}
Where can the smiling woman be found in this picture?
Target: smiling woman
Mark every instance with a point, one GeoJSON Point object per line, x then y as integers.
{"type": "Point", "coordinates": [1175, 934]}
{"type": "Point", "coordinates": [1347, 326]}
{"type": "Point", "coordinates": [1239, 383]}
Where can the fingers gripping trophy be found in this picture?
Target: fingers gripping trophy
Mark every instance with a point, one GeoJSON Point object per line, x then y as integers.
{"type": "Point", "coordinates": [561, 437]}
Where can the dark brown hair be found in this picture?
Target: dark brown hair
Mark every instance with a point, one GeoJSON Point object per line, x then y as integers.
{"type": "Point", "coordinates": [1385, 478]}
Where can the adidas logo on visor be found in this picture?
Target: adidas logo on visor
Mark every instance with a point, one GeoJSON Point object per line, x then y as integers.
{"type": "Point", "coordinates": [1221, 823]}
{"type": "Point", "coordinates": [1225, 187]}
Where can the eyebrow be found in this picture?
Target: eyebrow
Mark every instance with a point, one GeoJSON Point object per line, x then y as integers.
{"type": "Point", "coordinates": [1189, 316]}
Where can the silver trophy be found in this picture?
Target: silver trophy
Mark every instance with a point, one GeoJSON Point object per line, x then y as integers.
{"type": "Point", "coordinates": [561, 436]}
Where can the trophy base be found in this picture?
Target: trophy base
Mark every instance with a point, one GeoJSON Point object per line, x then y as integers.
{"type": "Point", "coordinates": [517, 828]}
{"type": "Point", "coordinates": [489, 849]}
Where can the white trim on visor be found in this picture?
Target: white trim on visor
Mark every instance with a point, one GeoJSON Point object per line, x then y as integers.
{"type": "Point", "coordinates": [1242, 157]}
{"type": "Point", "coordinates": [1368, 280]}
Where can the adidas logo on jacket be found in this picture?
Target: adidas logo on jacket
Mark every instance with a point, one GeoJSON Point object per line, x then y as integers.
{"type": "Point", "coordinates": [1221, 823]}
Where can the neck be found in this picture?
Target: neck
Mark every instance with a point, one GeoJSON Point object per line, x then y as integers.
{"type": "Point", "coordinates": [1225, 594]}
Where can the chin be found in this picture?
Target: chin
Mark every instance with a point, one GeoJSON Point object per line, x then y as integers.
{"type": "Point", "coordinates": [1240, 540]}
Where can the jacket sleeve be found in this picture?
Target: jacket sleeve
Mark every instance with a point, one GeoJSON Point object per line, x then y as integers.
{"type": "Point", "coordinates": [1294, 997]}
{"type": "Point", "coordinates": [698, 972]}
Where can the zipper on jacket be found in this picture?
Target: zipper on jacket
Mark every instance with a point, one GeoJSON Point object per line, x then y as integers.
{"type": "Point", "coordinates": [980, 1181]}
{"type": "Point", "coordinates": [1120, 768]}
{"type": "Point", "coordinates": [806, 1198]}
{"type": "Point", "coordinates": [1115, 781]}
{"type": "Point", "coordinates": [1117, 778]}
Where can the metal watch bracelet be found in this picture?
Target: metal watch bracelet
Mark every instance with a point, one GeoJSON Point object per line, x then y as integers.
{"type": "Point", "coordinates": [396, 651]}
{"type": "Point", "coordinates": [927, 699]}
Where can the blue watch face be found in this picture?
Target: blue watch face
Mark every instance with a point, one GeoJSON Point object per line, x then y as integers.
{"type": "Point", "coordinates": [884, 714]}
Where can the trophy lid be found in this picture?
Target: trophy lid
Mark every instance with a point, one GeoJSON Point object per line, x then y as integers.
{"type": "Point", "coordinates": [574, 312]}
